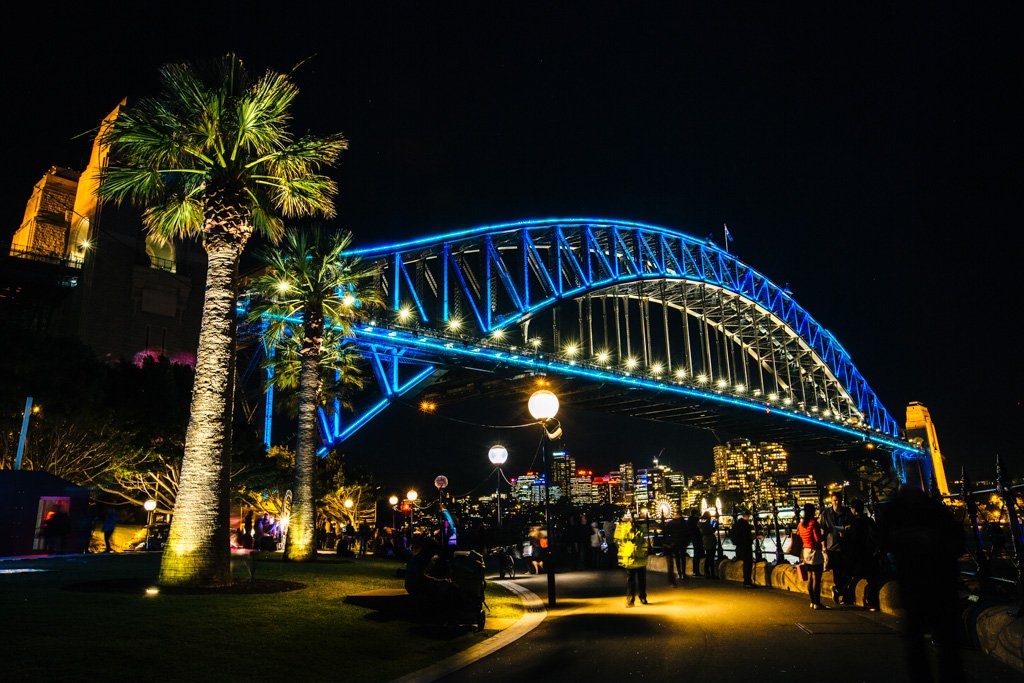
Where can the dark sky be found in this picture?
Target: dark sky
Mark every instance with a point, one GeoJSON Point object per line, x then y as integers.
{"type": "Point", "coordinates": [870, 158]}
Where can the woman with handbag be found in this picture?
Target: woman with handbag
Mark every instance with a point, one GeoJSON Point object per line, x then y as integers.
{"type": "Point", "coordinates": [812, 557]}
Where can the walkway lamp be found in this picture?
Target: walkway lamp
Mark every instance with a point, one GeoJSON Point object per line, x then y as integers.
{"type": "Point", "coordinates": [498, 455]}
{"type": "Point", "coordinates": [543, 406]}
{"type": "Point", "coordinates": [441, 483]}
{"type": "Point", "coordinates": [149, 506]}
{"type": "Point", "coordinates": [411, 496]}
{"type": "Point", "coordinates": [393, 502]}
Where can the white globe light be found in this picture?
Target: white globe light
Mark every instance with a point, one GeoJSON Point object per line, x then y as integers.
{"type": "Point", "coordinates": [149, 505]}
{"type": "Point", "coordinates": [393, 500]}
{"type": "Point", "coordinates": [441, 481]}
{"type": "Point", "coordinates": [498, 454]}
{"type": "Point", "coordinates": [412, 495]}
{"type": "Point", "coordinates": [543, 405]}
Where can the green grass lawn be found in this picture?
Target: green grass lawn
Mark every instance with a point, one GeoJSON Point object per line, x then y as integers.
{"type": "Point", "coordinates": [310, 634]}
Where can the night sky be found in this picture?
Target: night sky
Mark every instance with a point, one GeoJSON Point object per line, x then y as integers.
{"type": "Point", "coordinates": [870, 158]}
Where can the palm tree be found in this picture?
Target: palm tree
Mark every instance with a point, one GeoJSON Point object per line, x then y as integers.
{"type": "Point", "coordinates": [307, 296]}
{"type": "Point", "coordinates": [211, 157]}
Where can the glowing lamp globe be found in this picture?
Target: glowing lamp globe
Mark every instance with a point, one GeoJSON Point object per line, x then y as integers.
{"type": "Point", "coordinates": [348, 504]}
{"type": "Point", "coordinates": [411, 496]}
{"type": "Point", "coordinates": [393, 500]}
{"type": "Point", "coordinates": [441, 481]}
{"type": "Point", "coordinates": [498, 454]}
{"type": "Point", "coordinates": [543, 405]}
{"type": "Point", "coordinates": [149, 505]}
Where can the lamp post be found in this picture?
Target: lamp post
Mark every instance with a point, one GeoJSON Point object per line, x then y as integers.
{"type": "Point", "coordinates": [543, 406]}
{"type": "Point", "coordinates": [149, 506]}
{"type": "Point", "coordinates": [393, 502]}
{"type": "Point", "coordinates": [411, 496]}
{"type": "Point", "coordinates": [498, 455]}
{"type": "Point", "coordinates": [441, 482]}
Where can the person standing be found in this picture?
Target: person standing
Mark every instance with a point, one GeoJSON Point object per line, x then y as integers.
{"type": "Point", "coordinates": [835, 520]}
{"type": "Point", "coordinates": [693, 526]}
{"type": "Point", "coordinates": [811, 556]}
{"type": "Point", "coordinates": [743, 538]}
{"type": "Point", "coordinates": [709, 541]}
{"type": "Point", "coordinates": [596, 540]}
{"type": "Point", "coordinates": [109, 524]}
{"type": "Point", "coordinates": [926, 542]}
{"type": "Point", "coordinates": [632, 542]}
{"type": "Point", "coordinates": [677, 537]}
{"type": "Point", "coordinates": [861, 548]}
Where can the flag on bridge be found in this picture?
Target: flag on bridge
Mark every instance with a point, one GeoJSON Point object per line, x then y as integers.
{"type": "Point", "coordinates": [728, 236]}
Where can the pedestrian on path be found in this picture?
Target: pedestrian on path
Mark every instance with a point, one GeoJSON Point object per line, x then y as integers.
{"type": "Point", "coordinates": [693, 526]}
{"type": "Point", "coordinates": [926, 542]}
{"type": "Point", "coordinates": [743, 539]}
{"type": "Point", "coordinates": [811, 556]}
{"type": "Point", "coordinates": [632, 542]}
{"type": "Point", "coordinates": [109, 524]}
{"type": "Point", "coordinates": [835, 521]}
{"type": "Point", "coordinates": [677, 537]}
{"type": "Point", "coordinates": [709, 542]}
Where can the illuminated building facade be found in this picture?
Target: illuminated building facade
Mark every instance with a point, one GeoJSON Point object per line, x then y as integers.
{"type": "Point", "coordinates": [803, 490]}
{"type": "Point", "coordinates": [753, 470]}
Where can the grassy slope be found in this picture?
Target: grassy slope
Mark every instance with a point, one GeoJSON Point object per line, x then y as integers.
{"type": "Point", "coordinates": [309, 634]}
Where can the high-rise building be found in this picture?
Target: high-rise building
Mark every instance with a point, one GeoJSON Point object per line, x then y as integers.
{"type": "Point", "coordinates": [563, 469]}
{"type": "Point", "coordinates": [627, 482]}
{"type": "Point", "coordinates": [752, 470]}
{"type": "Point", "coordinates": [803, 490]}
{"type": "Point", "coordinates": [581, 488]}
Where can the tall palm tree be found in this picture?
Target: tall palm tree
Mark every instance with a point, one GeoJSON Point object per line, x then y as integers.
{"type": "Point", "coordinates": [308, 295]}
{"type": "Point", "coordinates": [211, 157]}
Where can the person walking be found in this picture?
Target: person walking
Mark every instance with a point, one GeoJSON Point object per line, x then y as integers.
{"type": "Point", "coordinates": [835, 520]}
{"type": "Point", "coordinates": [742, 535]}
{"type": "Point", "coordinates": [109, 524]}
{"type": "Point", "coordinates": [811, 556]}
{"type": "Point", "coordinates": [677, 537]}
{"type": "Point", "coordinates": [926, 543]}
{"type": "Point", "coordinates": [693, 527]}
{"type": "Point", "coordinates": [632, 543]}
{"type": "Point", "coordinates": [596, 541]}
{"type": "Point", "coordinates": [707, 527]}
{"type": "Point", "coordinates": [861, 548]}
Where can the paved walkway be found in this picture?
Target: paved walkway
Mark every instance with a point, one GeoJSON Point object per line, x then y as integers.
{"type": "Point", "coordinates": [705, 631]}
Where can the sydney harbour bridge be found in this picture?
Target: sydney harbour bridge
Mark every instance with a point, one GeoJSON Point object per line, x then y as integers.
{"type": "Point", "coordinates": [633, 319]}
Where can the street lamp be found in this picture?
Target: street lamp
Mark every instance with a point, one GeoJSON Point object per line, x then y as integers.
{"type": "Point", "coordinates": [149, 506]}
{"type": "Point", "coordinates": [393, 501]}
{"type": "Point", "coordinates": [411, 496]}
{"type": "Point", "coordinates": [441, 482]}
{"type": "Point", "coordinates": [543, 406]}
{"type": "Point", "coordinates": [498, 455]}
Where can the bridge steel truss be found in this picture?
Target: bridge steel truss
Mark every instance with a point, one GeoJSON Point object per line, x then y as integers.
{"type": "Point", "coordinates": [616, 301]}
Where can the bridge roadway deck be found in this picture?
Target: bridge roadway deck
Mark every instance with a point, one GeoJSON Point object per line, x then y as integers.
{"type": "Point", "coordinates": [704, 631]}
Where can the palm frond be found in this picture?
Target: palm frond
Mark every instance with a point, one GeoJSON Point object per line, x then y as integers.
{"type": "Point", "coordinates": [262, 116]}
{"type": "Point", "coordinates": [304, 156]}
{"type": "Point", "coordinates": [177, 214]}
{"type": "Point", "coordinates": [311, 195]}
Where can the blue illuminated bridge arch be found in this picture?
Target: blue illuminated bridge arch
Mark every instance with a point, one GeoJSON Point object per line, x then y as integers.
{"type": "Point", "coordinates": [633, 318]}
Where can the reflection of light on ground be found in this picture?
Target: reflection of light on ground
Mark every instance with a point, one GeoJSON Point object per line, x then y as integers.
{"type": "Point", "coordinates": [23, 571]}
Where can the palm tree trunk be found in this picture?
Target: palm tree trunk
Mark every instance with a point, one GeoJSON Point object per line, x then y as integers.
{"type": "Point", "coordinates": [198, 547]}
{"type": "Point", "coordinates": [301, 544]}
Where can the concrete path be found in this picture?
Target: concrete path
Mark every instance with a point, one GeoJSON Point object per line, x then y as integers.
{"type": "Point", "coordinates": [708, 631]}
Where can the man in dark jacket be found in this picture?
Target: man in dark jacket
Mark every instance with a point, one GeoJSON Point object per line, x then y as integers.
{"type": "Point", "coordinates": [835, 520]}
{"type": "Point", "coordinates": [743, 538]}
{"type": "Point", "coordinates": [698, 548]}
{"type": "Point", "coordinates": [677, 537]}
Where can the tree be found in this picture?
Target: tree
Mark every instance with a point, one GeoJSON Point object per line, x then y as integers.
{"type": "Point", "coordinates": [307, 297]}
{"type": "Point", "coordinates": [211, 157]}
